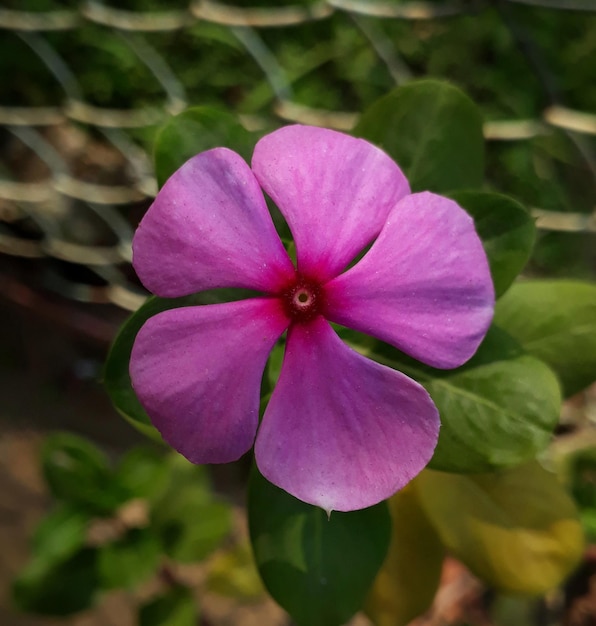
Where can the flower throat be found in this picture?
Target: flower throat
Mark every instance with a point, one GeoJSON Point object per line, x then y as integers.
{"type": "Point", "coordinates": [303, 299]}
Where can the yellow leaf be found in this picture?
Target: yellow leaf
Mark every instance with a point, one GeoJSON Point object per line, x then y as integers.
{"type": "Point", "coordinates": [406, 584]}
{"type": "Point", "coordinates": [517, 530]}
{"type": "Point", "coordinates": [233, 573]}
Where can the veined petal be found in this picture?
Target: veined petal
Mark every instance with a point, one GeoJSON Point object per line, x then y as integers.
{"type": "Point", "coordinates": [341, 431]}
{"type": "Point", "coordinates": [209, 227]}
{"type": "Point", "coordinates": [197, 371]}
{"type": "Point", "coordinates": [424, 286]}
{"type": "Point", "coordinates": [335, 192]}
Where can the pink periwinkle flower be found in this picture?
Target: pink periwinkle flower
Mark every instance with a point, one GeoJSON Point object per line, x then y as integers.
{"type": "Point", "coordinates": [340, 431]}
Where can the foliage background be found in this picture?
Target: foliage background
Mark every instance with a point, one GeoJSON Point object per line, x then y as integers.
{"type": "Point", "coordinates": [94, 80]}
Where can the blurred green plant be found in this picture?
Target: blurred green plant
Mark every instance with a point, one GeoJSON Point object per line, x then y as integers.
{"type": "Point", "coordinates": [121, 527]}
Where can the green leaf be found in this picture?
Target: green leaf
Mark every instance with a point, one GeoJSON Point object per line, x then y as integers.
{"type": "Point", "coordinates": [497, 410]}
{"type": "Point", "coordinates": [581, 473]}
{"type": "Point", "coordinates": [116, 377]}
{"type": "Point", "coordinates": [507, 231]}
{"type": "Point", "coordinates": [318, 570]}
{"type": "Point", "coordinates": [555, 320]}
{"type": "Point", "coordinates": [406, 585]}
{"type": "Point", "coordinates": [129, 560]}
{"type": "Point", "coordinates": [189, 521]}
{"type": "Point", "coordinates": [183, 473]}
{"type": "Point", "coordinates": [144, 472]}
{"type": "Point", "coordinates": [60, 588]}
{"type": "Point", "coordinates": [176, 607]}
{"type": "Point", "coordinates": [517, 530]}
{"type": "Point", "coordinates": [433, 131]}
{"type": "Point", "coordinates": [588, 520]}
{"type": "Point", "coordinates": [196, 130]}
{"type": "Point", "coordinates": [60, 534]}
{"type": "Point", "coordinates": [78, 472]}
{"type": "Point", "coordinates": [191, 530]}
{"type": "Point", "coordinates": [580, 469]}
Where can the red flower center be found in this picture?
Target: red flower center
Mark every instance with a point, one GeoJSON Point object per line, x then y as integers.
{"type": "Point", "coordinates": [303, 299]}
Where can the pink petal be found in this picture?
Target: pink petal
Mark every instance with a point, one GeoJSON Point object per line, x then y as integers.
{"type": "Point", "coordinates": [335, 192]}
{"type": "Point", "coordinates": [209, 227]}
{"type": "Point", "coordinates": [341, 431]}
{"type": "Point", "coordinates": [424, 286]}
{"type": "Point", "coordinates": [197, 371]}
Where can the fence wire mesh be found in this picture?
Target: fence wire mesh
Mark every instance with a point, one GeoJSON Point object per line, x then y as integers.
{"type": "Point", "coordinates": [85, 84]}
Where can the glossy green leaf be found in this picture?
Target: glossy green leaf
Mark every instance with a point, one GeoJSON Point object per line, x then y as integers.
{"type": "Point", "coordinates": [189, 521]}
{"type": "Point", "coordinates": [129, 560]}
{"type": "Point", "coordinates": [78, 472]}
{"type": "Point", "coordinates": [517, 530]}
{"type": "Point", "coordinates": [59, 588]}
{"type": "Point", "coordinates": [196, 130]}
{"type": "Point", "coordinates": [406, 585]}
{"type": "Point", "coordinates": [60, 534]}
{"type": "Point", "coordinates": [317, 569]}
{"type": "Point", "coordinates": [555, 320]}
{"type": "Point", "coordinates": [116, 377]}
{"type": "Point", "coordinates": [434, 133]}
{"type": "Point", "coordinates": [507, 231]}
{"type": "Point", "coordinates": [176, 607]}
{"type": "Point", "coordinates": [497, 410]}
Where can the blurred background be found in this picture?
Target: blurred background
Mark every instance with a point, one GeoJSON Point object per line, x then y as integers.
{"type": "Point", "coordinates": [85, 86]}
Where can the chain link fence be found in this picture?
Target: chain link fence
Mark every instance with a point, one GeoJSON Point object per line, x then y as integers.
{"type": "Point", "coordinates": [85, 85]}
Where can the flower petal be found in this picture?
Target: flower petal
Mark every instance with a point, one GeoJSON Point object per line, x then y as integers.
{"type": "Point", "coordinates": [209, 227]}
{"type": "Point", "coordinates": [197, 371]}
{"type": "Point", "coordinates": [341, 431]}
{"type": "Point", "coordinates": [335, 192]}
{"type": "Point", "coordinates": [424, 286]}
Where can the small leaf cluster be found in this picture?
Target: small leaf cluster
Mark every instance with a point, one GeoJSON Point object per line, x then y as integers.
{"type": "Point", "coordinates": [119, 528]}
